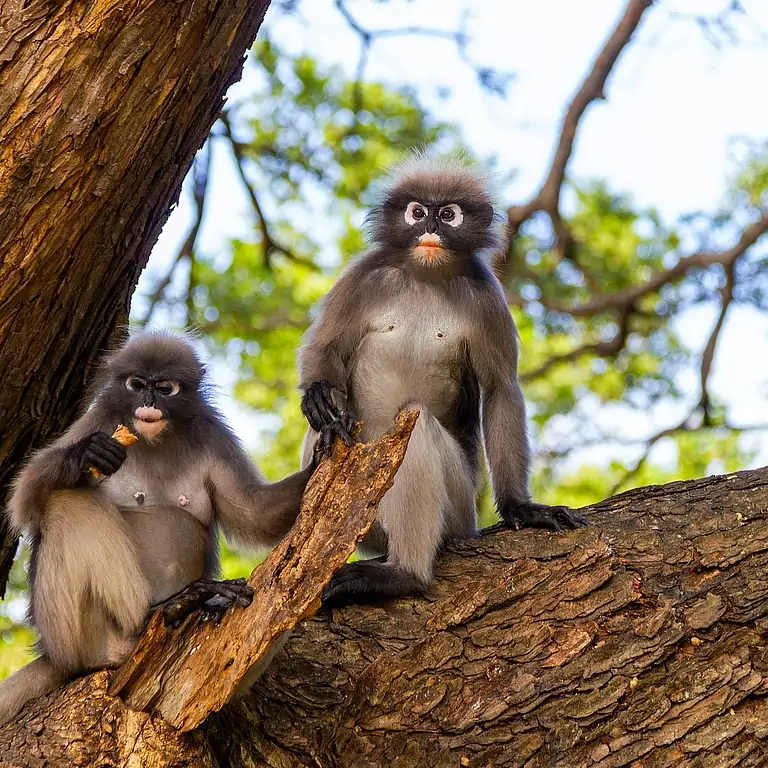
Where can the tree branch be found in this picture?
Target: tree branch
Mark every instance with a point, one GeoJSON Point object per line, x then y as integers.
{"type": "Point", "coordinates": [269, 243]}
{"type": "Point", "coordinates": [593, 88]}
{"type": "Point", "coordinates": [200, 172]}
{"type": "Point", "coordinates": [609, 348]}
{"type": "Point", "coordinates": [630, 296]}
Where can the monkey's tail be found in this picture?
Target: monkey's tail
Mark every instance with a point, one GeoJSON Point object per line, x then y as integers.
{"type": "Point", "coordinates": [35, 679]}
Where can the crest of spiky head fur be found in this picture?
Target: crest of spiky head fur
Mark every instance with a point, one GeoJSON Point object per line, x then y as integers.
{"type": "Point", "coordinates": [435, 182]}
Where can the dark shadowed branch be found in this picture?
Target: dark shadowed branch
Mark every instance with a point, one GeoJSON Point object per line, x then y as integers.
{"type": "Point", "coordinates": [270, 245]}
{"type": "Point", "coordinates": [593, 88]}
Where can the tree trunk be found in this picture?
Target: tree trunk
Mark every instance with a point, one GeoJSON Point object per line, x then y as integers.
{"type": "Point", "coordinates": [639, 641]}
{"type": "Point", "coordinates": [103, 104]}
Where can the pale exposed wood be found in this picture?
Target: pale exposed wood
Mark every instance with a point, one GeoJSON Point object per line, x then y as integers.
{"type": "Point", "coordinates": [187, 673]}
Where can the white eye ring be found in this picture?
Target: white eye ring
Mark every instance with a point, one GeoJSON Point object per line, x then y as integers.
{"type": "Point", "coordinates": [410, 219]}
{"type": "Point", "coordinates": [171, 387]}
{"type": "Point", "coordinates": [458, 216]}
{"type": "Point", "coordinates": [135, 383]}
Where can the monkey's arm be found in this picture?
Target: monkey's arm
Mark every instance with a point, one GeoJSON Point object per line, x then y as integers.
{"type": "Point", "coordinates": [493, 353]}
{"type": "Point", "coordinates": [252, 512]}
{"type": "Point", "coordinates": [61, 465]}
{"type": "Point", "coordinates": [325, 355]}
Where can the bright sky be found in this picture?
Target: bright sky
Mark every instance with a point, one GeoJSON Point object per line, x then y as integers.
{"type": "Point", "coordinates": [674, 104]}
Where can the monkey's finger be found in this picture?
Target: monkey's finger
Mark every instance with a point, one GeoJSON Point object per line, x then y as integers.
{"type": "Point", "coordinates": [316, 410]}
{"type": "Point", "coordinates": [237, 591]}
{"type": "Point", "coordinates": [350, 421]}
{"type": "Point", "coordinates": [326, 435]}
{"type": "Point", "coordinates": [104, 465]}
{"type": "Point", "coordinates": [325, 409]}
{"type": "Point", "coordinates": [339, 427]}
{"type": "Point", "coordinates": [108, 443]}
{"type": "Point", "coordinates": [312, 414]}
{"type": "Point", "coordinates": [106, 453]}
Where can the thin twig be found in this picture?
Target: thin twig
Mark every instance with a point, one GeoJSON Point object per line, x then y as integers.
{"type": "Point", "coordinates": [200, 172]}
{"type": "Point", "coordinates": [268, 242]}
{"type": "Point", "coordinates": [593, 88]}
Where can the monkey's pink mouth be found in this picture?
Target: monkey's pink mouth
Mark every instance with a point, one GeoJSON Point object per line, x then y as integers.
{"type": "Point", "coordinates": [149, 422]}
{"type": "Point", "coordinates": [430, 249]}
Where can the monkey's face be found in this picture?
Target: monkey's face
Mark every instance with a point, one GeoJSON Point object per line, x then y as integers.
{"type": "Point", "coordinates": [150, 403]}
{"type": "Point", "coordinates": [153, 404]}
{"type": "Point", "coordinates": [433, 238]}
{"type": "Point", "coordinates": [434, 230]}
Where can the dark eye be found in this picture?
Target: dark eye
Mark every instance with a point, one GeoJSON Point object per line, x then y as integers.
{"type": "Point", "coordinates": [451, 215]}
{"type": "Point", "coordinates": [135, 383]}
{"type": "Point", "coordinates": [414, 212]}
{"type": "Point", "coordinates": [168, 388]}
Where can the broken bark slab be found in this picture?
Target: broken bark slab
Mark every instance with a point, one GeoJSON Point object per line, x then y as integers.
{"type": "Point", "coordinates": [641, 641]}
{"type": "Point", "coordinates": [185, 674]}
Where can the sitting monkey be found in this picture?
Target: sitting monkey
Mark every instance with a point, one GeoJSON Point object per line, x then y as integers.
{"type": "Point", "coordinates": [115, 532]}
{"type": "Point", "coordinates": [420, 320]}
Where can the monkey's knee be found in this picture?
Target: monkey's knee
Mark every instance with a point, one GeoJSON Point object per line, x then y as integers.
{"type": "Point", "coordinates": [87, 573]}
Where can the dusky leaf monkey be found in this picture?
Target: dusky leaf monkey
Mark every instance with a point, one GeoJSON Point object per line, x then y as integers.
{"type": "Point", "coordinates": [106, 551]}
{"type": "Point", "coordinates": [420, 320]}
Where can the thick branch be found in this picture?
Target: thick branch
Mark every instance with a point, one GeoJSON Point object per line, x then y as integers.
{"type": "Point", "coordinates": [639, 641]}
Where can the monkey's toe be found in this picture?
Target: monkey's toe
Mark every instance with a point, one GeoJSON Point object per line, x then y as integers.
{"type": "Point", "coordinates": [211, 597]}
{"type": "Point", "coordinates": [529, 514]}
{"type": "Point", "coordinates": [366, 581]}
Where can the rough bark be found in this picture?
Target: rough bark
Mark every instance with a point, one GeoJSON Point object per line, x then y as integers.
{"type": "Point", "coordinates": [103, 104]}
{"type": "Point", "coordinates": [639, 642]}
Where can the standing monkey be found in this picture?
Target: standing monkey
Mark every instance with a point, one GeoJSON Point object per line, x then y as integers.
{"type": "Point", "coordinates": [111, 544]}
{"type": "Point", "coordinates": [421, 321]}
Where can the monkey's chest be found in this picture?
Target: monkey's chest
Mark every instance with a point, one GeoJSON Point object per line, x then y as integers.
{"type": "Point", "coordinates": [413, 353]}
{"type": "Point", "coordinates": [130, 490]}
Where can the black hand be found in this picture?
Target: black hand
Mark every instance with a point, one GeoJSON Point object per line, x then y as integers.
{"type": "Point", "coordinates": [213, 598]}
{"type": "Point", "coordinates": [529, 514]}
{"type": "Point", "coordinates": [325, 417]}
{"type": "Point", "coordinates": [98, 450]}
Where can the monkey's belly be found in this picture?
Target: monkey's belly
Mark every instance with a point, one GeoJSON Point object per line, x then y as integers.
{"type": "Point", "coordinates": [406, 365]}
{"type": "Point", "coordinates": [170, 544]}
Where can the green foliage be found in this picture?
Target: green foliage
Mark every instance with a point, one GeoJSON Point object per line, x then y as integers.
{"type": "Point", "coordinates": [315, 145]}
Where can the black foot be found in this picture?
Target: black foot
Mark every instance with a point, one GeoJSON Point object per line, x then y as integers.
{"type": "Point", "coordinates": [325, 417]}
{"type": "Point", "coordinates": [213, 598]}
{"type": "Point", "coordinates": [365, 581]}
{"type": "Point", "coordinates": [529, 514]}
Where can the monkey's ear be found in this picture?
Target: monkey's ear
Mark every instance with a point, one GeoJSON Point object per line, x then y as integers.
{"type": "Point", "coordinates": [485, 214]}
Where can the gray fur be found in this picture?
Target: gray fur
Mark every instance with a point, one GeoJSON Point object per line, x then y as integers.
{"type": "Point", "coordinates": [101, 556]}
{"type": "Point", "coordinates": [399, 329]}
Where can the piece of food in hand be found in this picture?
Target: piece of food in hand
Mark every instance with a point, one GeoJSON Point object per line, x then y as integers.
{"type": "Point", "coordinates": [125, 437]}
